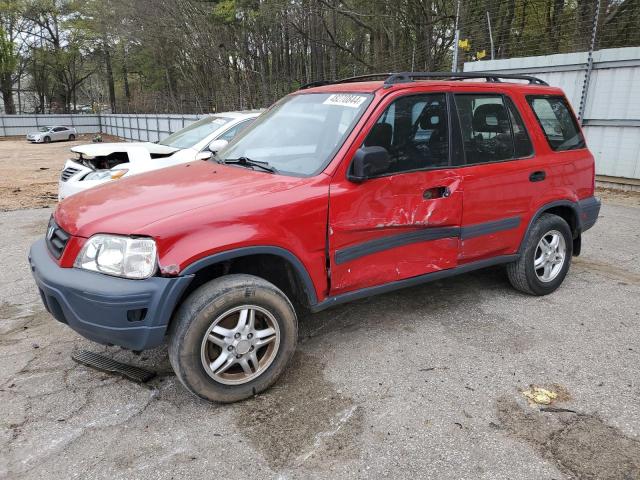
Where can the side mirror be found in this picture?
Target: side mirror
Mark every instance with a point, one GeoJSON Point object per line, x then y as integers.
{"type": "Point", "coordinates": [369, 162]}
{"type": "Point", "coordinates": [217, 145]}
{"type": "Point", "coordinates": [205, 155]}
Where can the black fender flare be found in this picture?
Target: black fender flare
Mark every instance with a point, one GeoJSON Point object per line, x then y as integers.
{"type": "Point", "coordinates": [558, 203]}
{"type": "Point", "coordinates": [293, 260]}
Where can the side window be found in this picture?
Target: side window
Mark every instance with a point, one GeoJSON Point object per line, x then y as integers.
{"type": "Point", "coordinates": [414, 130]}
{"type": "Point", "coordinates": [522, 142]}
{"type": "Point", "coordinates": [558, 123]}
{"type": "Point", "coordinates": [233, 131]}
{"type": "Point", "coordinates": [486, 128]}
{"type": "Point", "coordinates": [59, 129]}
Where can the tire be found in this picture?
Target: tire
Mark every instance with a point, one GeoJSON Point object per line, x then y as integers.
{"type": "Point", "coordinates": [224, 299]}
{"type": "Point", "coordinates": [47, 139]}
{"type": "Point", "coordinates": [524, 275]}
{"type": "Point", "coordinates": [72, 137]}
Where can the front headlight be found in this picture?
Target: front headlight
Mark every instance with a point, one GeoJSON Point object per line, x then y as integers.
{"type": "Point", "coordinates": [105, 174]}
{"type": "Point", "coordinates": [120, 256]}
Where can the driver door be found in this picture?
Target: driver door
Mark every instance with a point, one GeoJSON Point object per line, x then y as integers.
{"type": "Point", "coordinates": [404, 222]}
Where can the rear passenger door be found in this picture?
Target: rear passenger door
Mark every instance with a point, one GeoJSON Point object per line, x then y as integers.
{"type": "Point", "coordinates": [500, 177]}
{"type": "Point", "coordinates": [59, 133]}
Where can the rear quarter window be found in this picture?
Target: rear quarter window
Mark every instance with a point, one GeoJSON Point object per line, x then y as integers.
{"type": "Point", "coordinates": [559, 125]}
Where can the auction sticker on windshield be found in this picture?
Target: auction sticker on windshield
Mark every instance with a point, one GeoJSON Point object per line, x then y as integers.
{"type": "Point", "coordinates": [345, 100]}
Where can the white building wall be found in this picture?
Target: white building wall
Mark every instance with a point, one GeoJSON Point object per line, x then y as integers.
{"type": "Point", "coordinates": [612, 112]}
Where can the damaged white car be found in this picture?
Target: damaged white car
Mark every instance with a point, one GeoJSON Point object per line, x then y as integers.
{"type": "Point", "coordinates": [98, 163]}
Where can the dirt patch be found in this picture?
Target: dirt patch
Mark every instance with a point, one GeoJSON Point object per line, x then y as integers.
{"type": "Point", "coordinates": [302, 419]}
{"type": "Point", "coordinates": [613, 272]}
{"type": "Point", "coordinates": [580, 445]}
{"type": "Point", "coordinates": [608, 195]}
{"type": "Point", "coordinates": [29, 172]}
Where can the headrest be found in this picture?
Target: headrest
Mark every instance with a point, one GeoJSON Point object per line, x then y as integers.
{"type": "Point", "coordinates": [379, 136]}
{"type": "Point", "coordinates": [433, 118]}
{"type": "Point", "coordinates": [491, 117]}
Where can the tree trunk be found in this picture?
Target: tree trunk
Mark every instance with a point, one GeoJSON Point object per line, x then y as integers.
{"type": "Point", "coordinates": [7, 94]}
{"type": "Point", "coordinates": [110, 82]}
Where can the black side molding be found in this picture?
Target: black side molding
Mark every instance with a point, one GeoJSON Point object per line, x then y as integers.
{"type": "Point", "coordinates": [394, 241]}
{"type": "Point", "coordinates": [424, 235]}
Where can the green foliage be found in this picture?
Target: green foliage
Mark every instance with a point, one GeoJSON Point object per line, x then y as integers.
{"type": "Point", "coordinates": [8, 57]}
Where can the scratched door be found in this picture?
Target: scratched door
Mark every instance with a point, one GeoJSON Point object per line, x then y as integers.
{"type": "Point", "coordinates": [405, 222]}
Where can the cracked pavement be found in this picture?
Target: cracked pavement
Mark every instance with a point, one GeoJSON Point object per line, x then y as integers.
{"type": "Point", "coordinates": [420, 383]}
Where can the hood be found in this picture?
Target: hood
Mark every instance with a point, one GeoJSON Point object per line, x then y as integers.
{"type": "Point", "coordinates": [126, 206]}
{"type": "Point", "coordinates": [103, 149]}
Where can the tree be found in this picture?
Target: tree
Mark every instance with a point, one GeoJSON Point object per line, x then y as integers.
{"type": "Point", "coordinates": [8, 65]}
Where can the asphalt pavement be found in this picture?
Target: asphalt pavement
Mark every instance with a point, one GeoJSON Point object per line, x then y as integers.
{"type": "Point", "coordinates": [422, 383]}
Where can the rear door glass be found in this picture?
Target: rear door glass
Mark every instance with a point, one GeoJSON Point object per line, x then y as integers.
{"type": "Point", "coordinates": [557, 122]}
{"type": "Point", "coordinates": [486, 128]}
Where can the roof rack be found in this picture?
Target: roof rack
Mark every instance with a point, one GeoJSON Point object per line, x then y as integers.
{"type": "Point", "coordinates": [407, 77]}
{"type": "Point", "coordinates": [359, 78]}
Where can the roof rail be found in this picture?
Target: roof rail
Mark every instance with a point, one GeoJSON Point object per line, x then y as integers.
{"type": "Point", "coordinates": [359, 78]}
{"type": "Point", "coordinates": [406, 77]}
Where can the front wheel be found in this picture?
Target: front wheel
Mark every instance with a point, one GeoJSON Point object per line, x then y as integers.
{"type": "Point", "coordinates": [546, 258]}
{"type": "Point", "coordinates": [232, 338]}
{"type": "Point", "coordinates": [47, 139]}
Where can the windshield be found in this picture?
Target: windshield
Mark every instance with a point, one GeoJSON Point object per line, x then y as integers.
{"type": "Point", "coordinates": [189, 136]}
{"type": "Point", "coordinates": [44, 129]}
{"type": "Point", "coordinates": [300, 134]}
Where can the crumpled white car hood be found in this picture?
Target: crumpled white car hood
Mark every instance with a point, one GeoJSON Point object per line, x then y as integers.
{"type": "Point", "coordinates": [136, 151]}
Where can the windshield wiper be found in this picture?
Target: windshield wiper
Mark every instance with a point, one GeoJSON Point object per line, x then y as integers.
{"type": "Point", "coordinates": [247, 162]}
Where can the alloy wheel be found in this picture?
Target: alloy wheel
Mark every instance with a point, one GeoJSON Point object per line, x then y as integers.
{"type": "Point", "coordinates": [240, 344]}
{"type": "Point", "coordinates": [550, 255]}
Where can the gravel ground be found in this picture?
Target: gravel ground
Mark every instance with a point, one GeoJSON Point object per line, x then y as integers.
{"type": "Point", "coordinates": [422, 383]}
{"type": "Point", "coordinates": [29, 172]}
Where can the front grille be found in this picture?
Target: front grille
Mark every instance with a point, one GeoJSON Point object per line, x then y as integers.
{"type": "Point", "coordinates": [68, 172]}
{"type": "Point", "coordinates": [57, 238]}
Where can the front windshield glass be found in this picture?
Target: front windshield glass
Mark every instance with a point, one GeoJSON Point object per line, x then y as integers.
{"type": "Point", "coordinates": [44, 129]}
{"type": "Point", "coordinates": [300, 134]}
{"type": "Point", "coordinates": [189, 136]}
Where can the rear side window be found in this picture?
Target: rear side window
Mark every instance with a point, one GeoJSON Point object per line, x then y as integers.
{"type": "Point", "coordinates": [486, 128]}
{"type": "Point", "coordinates": [558, 123]}
{"type": "Point", "coordinates": [522, 144]}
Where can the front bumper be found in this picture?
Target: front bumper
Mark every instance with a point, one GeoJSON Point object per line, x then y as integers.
{"type": "Point", "coordinates": [134, 314]}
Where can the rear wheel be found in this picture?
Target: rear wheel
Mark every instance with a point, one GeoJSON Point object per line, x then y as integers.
{"type": "Point", "coordinates": [546, 258]}
{"type": "Point", "coordinates": [47, 139]}
{"type": "Point", "coordinates": [72, 137]}
{"type": "Point", "coordinates": [232, 338]}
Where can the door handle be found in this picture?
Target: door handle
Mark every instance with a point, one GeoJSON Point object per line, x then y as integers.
{"type": "Point", "coordinates": [436, 192]}
{"type": "Point", "coordinates": [538, 176]}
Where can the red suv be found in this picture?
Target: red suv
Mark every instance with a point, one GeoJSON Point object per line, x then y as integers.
{"type": "Point", "coordinates": [339, 191]}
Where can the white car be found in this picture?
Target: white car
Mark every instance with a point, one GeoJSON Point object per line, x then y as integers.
{"type": "Point", "coordinates": [99, 163]}
{"type": "Point", "coordinates": [52, 134]}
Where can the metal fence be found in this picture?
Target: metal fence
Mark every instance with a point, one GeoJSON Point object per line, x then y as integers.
{"type": "Point", "coordinates": [11, 125]}
{"type": "Point", "coordinates": [606, 94]}
{"type": "Point", "coordinates": [145, 128]}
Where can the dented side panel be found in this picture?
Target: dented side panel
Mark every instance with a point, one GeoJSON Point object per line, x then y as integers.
{"type": "Point", "coordinates": [388, 222]}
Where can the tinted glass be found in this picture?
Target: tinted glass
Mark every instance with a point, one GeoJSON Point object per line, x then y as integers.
{"type": "Point", "coordinates": [415, 131]}
{"type": "Point", "coordinates": [558, 123]}
{"type": "Point", "coordinates": [521, 140]}
{"type": "Point", "coordinates": [300, 134]}
{"type": "Point", "coordinates": [197, 131]}
{"type": "Point", "coordinates": [233, 131]}
{"type": "Point", "coordinates": [486, 128]}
